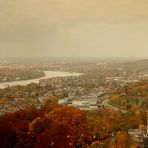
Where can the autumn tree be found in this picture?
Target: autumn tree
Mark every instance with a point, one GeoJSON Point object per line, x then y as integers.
{"type": "Point", "coordinates": [74, 119]}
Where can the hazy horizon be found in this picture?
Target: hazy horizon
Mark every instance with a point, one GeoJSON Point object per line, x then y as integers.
{"type": "Point", "coordinates": [74, 28]}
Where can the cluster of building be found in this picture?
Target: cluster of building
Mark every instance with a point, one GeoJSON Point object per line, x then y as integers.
{"type": "Point", "coordinates": [123, 78]}
{"type": "Point", "coordinates": [85, 102]}
{"type": "Point", "coordinates": [16, 104]}
{"type": "Point", "coordinates": [140, 136]}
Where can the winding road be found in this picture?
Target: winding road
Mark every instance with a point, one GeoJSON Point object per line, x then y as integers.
{"type": "Point", "coordinates": [106, 104]}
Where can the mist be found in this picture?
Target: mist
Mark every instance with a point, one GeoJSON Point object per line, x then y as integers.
{"type": "Point", "coordinates": [74, 28]}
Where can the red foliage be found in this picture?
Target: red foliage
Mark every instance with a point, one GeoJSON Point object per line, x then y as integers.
{"type": "Point", "coordinates": [62, 127]}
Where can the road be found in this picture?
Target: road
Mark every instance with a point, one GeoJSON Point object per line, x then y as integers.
{"type": "Point", "coordinates": [107, 105]}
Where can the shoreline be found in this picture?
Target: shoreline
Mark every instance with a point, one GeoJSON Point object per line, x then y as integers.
{"type": "Point", "coordinates": [48, 74]}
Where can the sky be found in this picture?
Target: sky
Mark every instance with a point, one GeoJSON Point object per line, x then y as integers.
{"type": "Point", "coordinates": [74, 28]}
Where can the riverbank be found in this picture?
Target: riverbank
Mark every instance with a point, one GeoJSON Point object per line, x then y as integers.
{"type": "Point", "coordinates": [48, 74]}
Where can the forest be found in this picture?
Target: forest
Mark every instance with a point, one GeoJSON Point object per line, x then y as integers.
{"type": "Point", "coordinates": [64, 127]}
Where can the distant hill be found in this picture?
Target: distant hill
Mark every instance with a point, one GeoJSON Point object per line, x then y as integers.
{"type": "Point", "coordinates": [143, 62]}
{"type": "Point", "coordinates": [140, 65]}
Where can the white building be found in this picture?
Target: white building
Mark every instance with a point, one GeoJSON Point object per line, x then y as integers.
{"type": "Point", "coordinates": [63, 101]}
{"type": "Point", "coordinates": [79, 103]}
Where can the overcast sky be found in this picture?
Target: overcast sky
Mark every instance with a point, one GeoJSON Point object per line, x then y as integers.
{"type": "Point", "coordinates": [74, 28]}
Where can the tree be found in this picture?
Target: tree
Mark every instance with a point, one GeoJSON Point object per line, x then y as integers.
{"type": "Point", "coordinates": [74, 119]}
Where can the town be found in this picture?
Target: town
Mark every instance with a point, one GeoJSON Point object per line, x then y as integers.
{"type": "Point", "coordinates": [95, 88]}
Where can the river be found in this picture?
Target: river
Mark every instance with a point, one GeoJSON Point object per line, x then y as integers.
{"type": "Point", "coordinates": [48, 74]}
